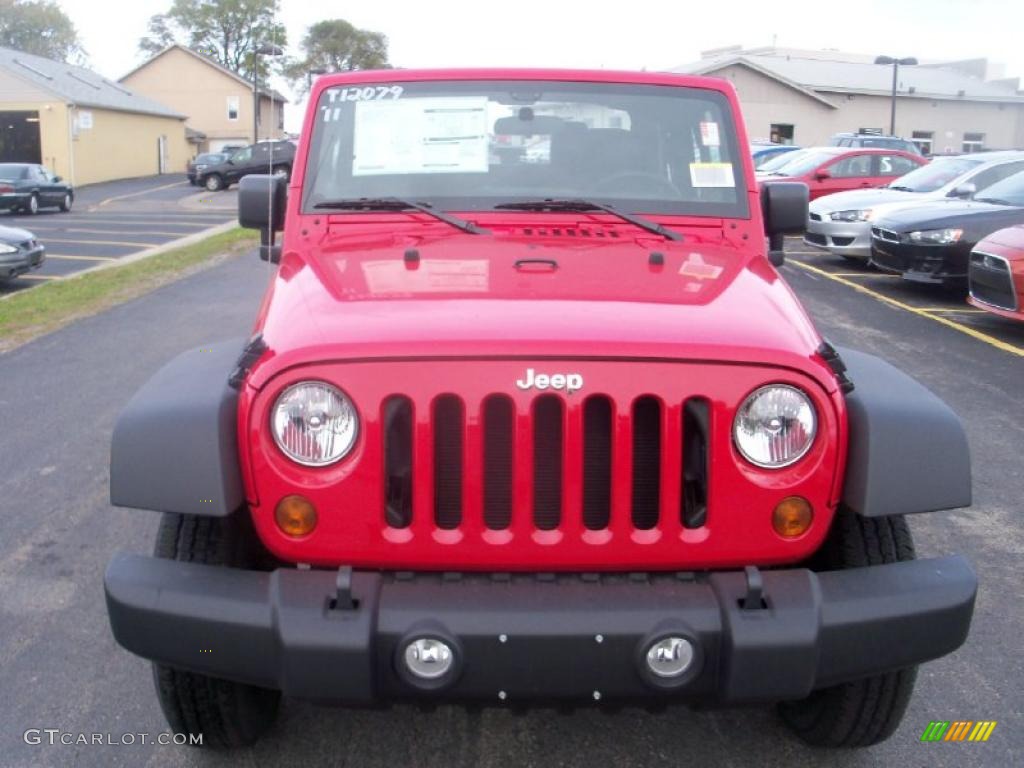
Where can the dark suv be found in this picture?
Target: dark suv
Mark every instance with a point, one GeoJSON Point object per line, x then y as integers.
{"type": "Point", "coordinates": [874, 141]}
{"type": "Point", "coordinates": [262, 157]}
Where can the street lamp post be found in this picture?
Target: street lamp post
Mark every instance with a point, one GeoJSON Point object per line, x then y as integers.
{"type": "Point", "coordinates": [909, 61]}
{"type": "Point", "coordinates": [263, 50]}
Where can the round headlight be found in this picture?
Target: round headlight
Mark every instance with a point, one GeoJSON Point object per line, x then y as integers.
{"type": "Point", "coordinates": [775, 426]}
{"type": "Point", "coordinates": [314, 423]}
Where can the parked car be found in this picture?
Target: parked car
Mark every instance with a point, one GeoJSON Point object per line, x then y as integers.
{"type": "Point", "coordinates": [200, 163]}
{"type": "Point", "coordinates": [28, 187]}
{"type": "Point", "coordinates": [262, 157]}
{"type": "Point", "coordinates": [826, 170]}
{"type": "Point", "coordinates": [995, 273]}
{"type": "Point", "coordinates": [20, 252]}
{"type": "Point", "coordinates": [932, 242]}
{"type": "Point", "coordinates": [762, 153]}
{"type": "Point", "coordinates": [770, 166]}
{"type": "Point", "coordinates": [460, 384]}
{"type": "Point", "coordinates": [841, 222]}
{"type": "Point", "coordinates": [874, 141]}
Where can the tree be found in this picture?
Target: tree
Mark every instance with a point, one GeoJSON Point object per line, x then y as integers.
{"type": "Point", "coordinates": [228, 31]}
{"type": "Point", "coordinates": [337, 46]}
{"type": "Point", "coordinates": [39, 27]}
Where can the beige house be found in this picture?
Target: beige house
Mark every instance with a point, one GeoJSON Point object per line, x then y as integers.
{"type": "Point", "coordinates": [219, 103]}
{"type": "Point", "coordinates": [84, 127]}
{"type": "Point", "coordinates": [804, 97]}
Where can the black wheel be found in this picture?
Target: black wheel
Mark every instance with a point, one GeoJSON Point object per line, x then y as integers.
{"type": "Point", "coordinates": [32, 206]}
{"type": "Point", "coordinates": [214, 183]}
{"type": "Point", "coordinates": [66, 202]}
{"type": "Point", "coordinates": [227, 714]}
{"type": "Point", "coordinates": [862, 712]}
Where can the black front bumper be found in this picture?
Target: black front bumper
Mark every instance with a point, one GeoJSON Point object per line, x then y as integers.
{"type": "Point", "coordinates": [921, 263]}
{"type": "Point", "coordinates": [530, 638]}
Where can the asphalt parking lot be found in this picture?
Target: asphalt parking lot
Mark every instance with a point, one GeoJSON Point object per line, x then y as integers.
{"type": "Point", "coordinates": [59, 667]}
{"type": "Point", "coordinates": [113, 220]}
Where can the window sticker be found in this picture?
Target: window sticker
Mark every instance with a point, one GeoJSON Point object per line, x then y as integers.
{"type": "Point", "coordinates": [421, 135]}
{"type": "Point", "coordinates": [712, 175]}
{"type": "Point", "coordinates": [365, 93]}
{"type": "Point", "coordinates": [709, 134]}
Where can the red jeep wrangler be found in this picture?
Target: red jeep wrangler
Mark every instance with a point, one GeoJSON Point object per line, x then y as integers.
{"type": "Point", "coordinates": [537, 427]}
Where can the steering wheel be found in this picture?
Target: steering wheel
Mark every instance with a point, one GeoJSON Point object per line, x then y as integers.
{"type": "Point", "coordinates": [644, 183]}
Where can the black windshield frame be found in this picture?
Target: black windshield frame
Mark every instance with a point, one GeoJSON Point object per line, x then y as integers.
{"type": "Point", "coordinates": [729, 150]}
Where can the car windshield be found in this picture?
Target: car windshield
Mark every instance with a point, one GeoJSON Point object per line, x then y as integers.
{"type": "Point", "coordinates": [212, 158]}
{"type": "Point", "coordinates": [784, 158]}
{"type": "Point", "coordinates": [1006, 192]}
{"type": "Point", "coordinates": [805, 163]}
{"type": "Point", "coordinates": [13, 172]}
{"type": "Point", "coordinates": [936, 174]}
{"type": "Point", "coordinates": [473, 145]}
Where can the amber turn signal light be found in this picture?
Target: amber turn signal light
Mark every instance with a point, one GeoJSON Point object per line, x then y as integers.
{"type": "Point", "coordinates": [792, 517]}
{"type": "Point", "coordinates": [295, 515]}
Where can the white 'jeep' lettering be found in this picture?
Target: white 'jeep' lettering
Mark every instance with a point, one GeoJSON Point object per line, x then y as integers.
{"type": "Point", "coordinates": [570, 382]}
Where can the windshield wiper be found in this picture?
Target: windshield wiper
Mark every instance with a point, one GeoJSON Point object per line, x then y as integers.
{"type": "Point", "coordinates": [397, 204]}
{"type": "Point", "coordinates": [587, 205]}
{"type": "Point", "coordinates": [996, 201]}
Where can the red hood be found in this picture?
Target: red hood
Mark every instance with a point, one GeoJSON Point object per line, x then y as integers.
{"type": "Point", "coordinates": [357, 297]}
{"type": "Point", "coordinates": [1011, 239]}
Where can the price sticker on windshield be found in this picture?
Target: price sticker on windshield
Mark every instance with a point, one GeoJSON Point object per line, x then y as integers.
{"type": "Point", "coordinates": [709, 134]}
{"type": "Point", "coordinates": [712, 175]}
{"type": "Point", "coordinates": [366, 93]}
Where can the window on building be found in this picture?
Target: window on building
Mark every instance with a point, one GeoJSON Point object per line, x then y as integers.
{"type": "Point", "coordinates": [974, 142]}
{"type": "Point", "coordinates": [232, 107]}
{"type": "Point", "coordinates": [923, 140]}
{"type": "Point", "coordinates": [781, 133]}
{"type": "Point", "coordinates": [280, 117]}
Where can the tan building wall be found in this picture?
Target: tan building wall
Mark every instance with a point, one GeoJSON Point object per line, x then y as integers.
{"type": "Point", "coordinates": [189, 85]}
{"type": "Point", "coordinates": [122, 145]}
{"type": "Point", "coordinates": [765, 101]}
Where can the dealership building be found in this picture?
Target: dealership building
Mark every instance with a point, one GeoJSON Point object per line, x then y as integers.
{"type": "Point", "coordinates": [804, 97]}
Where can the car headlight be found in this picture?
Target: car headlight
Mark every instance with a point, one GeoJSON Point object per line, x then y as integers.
{"type": "Point", "coordinates": [850, 216]}
{"type": "Point", "coordinates": [936, 236]}
{"type": "Point", "coordinates": [775, 426]}
{"type": "Point", "coordinates": [5, 248]}
{"type": "Point", "coordinates": [314, 423]}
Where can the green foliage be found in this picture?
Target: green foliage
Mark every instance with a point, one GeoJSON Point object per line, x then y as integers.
{"type": "Point", "coordinates": [39, 27]}
{"type": "Point", "coordinates": [334, 45]}
{"type": "Point", "coordinates": [228, 31]}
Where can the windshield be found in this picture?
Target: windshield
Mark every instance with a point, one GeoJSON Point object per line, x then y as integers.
{"type": "Point", "coordinates": [805, 163]}
{"type": "Point", "coordinates": [775, 163]}
{"type": "Point", "coordinates": [936, 174]}
{"type": "Point", "coordinates": [1006, 192]}
{"type": "Point", "coordinates": [212, 159]}
{"type": "Point", "coordinates": [13, 172]}
{"type": "Point", "coordinates": [472, 145]}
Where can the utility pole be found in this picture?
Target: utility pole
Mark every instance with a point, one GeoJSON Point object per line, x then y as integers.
{"type": "Point", "coordinates": [908, 61]}
{"type": "Point", "coordinates": [263, 50]}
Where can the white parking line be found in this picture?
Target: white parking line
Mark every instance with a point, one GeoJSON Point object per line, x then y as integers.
{"type": "Point", "coordinates": [80, 258]}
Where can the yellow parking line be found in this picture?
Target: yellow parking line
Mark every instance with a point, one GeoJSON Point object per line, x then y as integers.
{"type": "Point", "coordinates": [116, 232]}
{"type": "Point", "coordinates": [135, 194]}
{"type": "Point", "coordinates": [863, 274]}
{"type": "Point", "coordinates": [39, 277]}
{"type": "Point", "coordinates": [990, 340]}
{"type": "Point", "coordinates": [125, 243]}
{"type": "Point", "coordinates": [957, 310]}
{"type": "Point", "coordinates": [80, 258]}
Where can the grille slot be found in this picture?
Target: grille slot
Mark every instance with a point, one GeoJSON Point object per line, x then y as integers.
{"type": "Point", "coordinates": [449, 426]}
{"type": "Point", "coordinates": [991, 281]}
{"type": "Point", "coordinates": [498, 420]}
{"type": "Point", "coordinates": [597, 463]}
{"type": "Point", "coordinates": [696, 439]}
{"type": "Point", "coordinates": [397, 419]}
{"type": "Point", "coordinates": [547, 462]}
{"type": "Point", "coordinates": [646, 462]}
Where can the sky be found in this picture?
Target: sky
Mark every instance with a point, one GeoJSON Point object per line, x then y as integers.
{"type": "Point", "coordinates": [640, 34]}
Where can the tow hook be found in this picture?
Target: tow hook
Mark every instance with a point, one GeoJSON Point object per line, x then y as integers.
{"type": "Point", "coordinates": [754, 599]}
{"type": "Point", "coordinates": [343, 599]}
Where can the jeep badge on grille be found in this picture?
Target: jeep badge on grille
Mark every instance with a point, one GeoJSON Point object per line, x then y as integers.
{"type": "Point", "coordinates": [570, 382]}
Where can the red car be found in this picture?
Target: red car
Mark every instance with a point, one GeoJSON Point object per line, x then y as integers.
{"type": "Point", "coordinates": [838, 169]}
{"type": "Point", "coordinates": [996, 273]}
{"type": "Point", "coordinates": [535, 427]}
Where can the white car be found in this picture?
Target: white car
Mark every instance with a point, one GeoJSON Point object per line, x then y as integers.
{"type": "Point", "coordinates": [841, 223]}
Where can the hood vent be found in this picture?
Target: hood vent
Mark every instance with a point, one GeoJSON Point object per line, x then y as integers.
{"type": "Point", "coordinates": [575, 232]}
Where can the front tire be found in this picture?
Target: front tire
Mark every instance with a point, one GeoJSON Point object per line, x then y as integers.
{"type": "Point", "coordinates": [862, 712]}
{"type": "Point", "coordinates": [66, 202]}
{"type": "Point", "coordinates": [214, 183]}
{"type": "Point", "coordinates": [227, 714]}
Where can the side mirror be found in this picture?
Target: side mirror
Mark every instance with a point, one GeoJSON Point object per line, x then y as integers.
{"type": "Point", "coordinates": [784, 206]}
{"type": "Point", "coordinates": [261, 205]}
{"type": "Point", "coordinates": [57, 179]}
{"type": "Point", "coordinates": [823, 174]}
{"type": "Point", "coordinates": [964, 191]}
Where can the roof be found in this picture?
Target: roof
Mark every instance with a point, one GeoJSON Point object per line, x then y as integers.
{"type": "Point", "coordinates": [78, 85]}
{"type": "Point", "coordinates": [821, 75]}
{"type": "Point", "coordinates": [271, 94]}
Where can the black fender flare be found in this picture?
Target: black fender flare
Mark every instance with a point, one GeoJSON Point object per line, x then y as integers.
{"type": "Point", "coordinates": [175, 445]}
{"type": "Point", "coordinates": [908, 451]}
